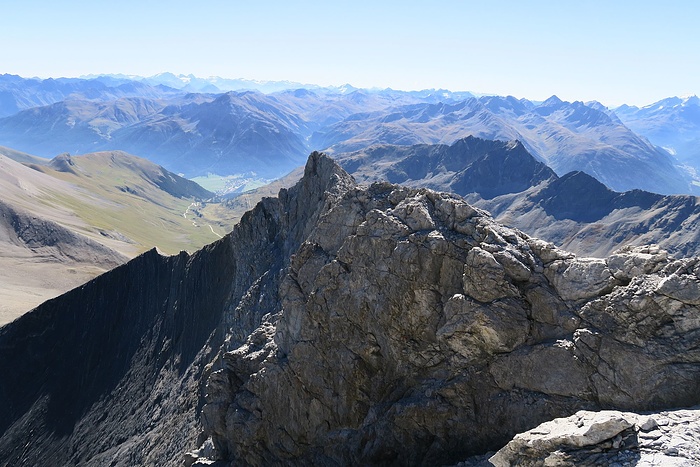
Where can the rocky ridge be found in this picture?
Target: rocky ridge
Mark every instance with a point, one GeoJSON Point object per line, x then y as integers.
{"type": "Point", "coordinates": [413, 329]}
{"type": "Point", "coordinates": [346, 324]}
{"type": "Point", "coordinates": [110, 372]}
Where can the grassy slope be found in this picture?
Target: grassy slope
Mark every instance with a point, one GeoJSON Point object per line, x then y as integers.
{"type": "Point", "coordinates": [118, 201]}
{"type": "Point", "coordinates": [109, 197]}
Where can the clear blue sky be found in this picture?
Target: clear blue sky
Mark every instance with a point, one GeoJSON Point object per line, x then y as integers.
{"type": "Point", "coordinates": [613, 51]}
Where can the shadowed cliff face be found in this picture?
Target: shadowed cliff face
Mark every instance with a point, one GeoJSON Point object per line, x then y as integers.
{"type": "Point", "coordinates": [94, 369]}
{"type": "Point", "coordinates": [341, 324]}
{"type": "Point", "coordinates": [110, 372]}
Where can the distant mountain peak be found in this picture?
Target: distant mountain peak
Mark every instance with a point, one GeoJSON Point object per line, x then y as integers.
{"type": "Point", "coordinates": [596, 105]}
{"type": "Point", "coordinates": [582, 177]}
{"type": "Point", "coordinates": [691, 100]}
{"type": "Point", "coordinates": [347, 88]}
{"type": "Point", "coordinates": [165, 74]}
{"type": "Point", "coordinates": [552, 101]}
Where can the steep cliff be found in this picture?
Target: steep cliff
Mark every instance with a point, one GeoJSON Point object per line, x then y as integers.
{"type": "Point", "coordinates": [413, 329]}
{"type": "Point", "coordinates": [110, 373]}
{"type": "Point", "coordinates": [341, 324]}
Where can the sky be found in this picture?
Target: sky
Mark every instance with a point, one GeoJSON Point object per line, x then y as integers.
{"type": "Point", "coordinates": [612, 51]}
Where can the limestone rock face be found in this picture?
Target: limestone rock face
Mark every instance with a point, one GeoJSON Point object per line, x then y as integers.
{"type": "Point", "coordinates": [667, 438]}
{"type": "Point", "coordinates": [346, 325]}
{"type": "Point", "coordinates": [413, 329]}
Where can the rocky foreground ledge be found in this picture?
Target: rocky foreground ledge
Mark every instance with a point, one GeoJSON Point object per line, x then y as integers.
{"type": "Point", "coordinates": [667, 438]}
{"type": "Point", "coordinates": [350, 325]}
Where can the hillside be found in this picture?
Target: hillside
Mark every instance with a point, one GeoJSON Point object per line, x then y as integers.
{"type": "Point", "coordinates": [40, 259]}
{"type": "Point", "coordinates": [581, 214]}
{"type": "Point", "coordinates": [75, 217]}
{"type": "Point", "coordinates": [672, 123]}
{"type": "Point", "coordinates": [340, 324]}
{"type": "Point", "coordinates": [469, 165]}
{"type": "Point", "coordinates": [194, 134]}
{"type": "Point", "coordinates": [22, 157]}
{"type": "Point", "coordinates": [131, 201]}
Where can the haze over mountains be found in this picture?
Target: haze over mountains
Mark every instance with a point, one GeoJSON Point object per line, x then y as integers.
{"type": "Point", "coordinates": [672, 123]}
{"type": "Point", "coordinates": [567, 136]}
{"type": "Point", "coordinates": [17, 93]}
{"type": "Point", "coordinates": [268, 135]}
{"type": "Point", "coordinates": [194, 134]}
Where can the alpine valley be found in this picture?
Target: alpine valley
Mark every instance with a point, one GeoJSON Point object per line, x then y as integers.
{"type": "Point", "coordinates": [447, 278]}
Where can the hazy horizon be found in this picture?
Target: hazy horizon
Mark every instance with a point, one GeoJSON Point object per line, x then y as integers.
{"type": "Point", "coordinates": [614, 52]}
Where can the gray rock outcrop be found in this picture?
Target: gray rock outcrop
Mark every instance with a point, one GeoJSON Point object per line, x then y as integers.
{"type": "Point", "coordinates": [413, 329]}
{"type": "Point", "coordinates": [667, 438]}
{"type": "Point", "coordinates": [342, 324]}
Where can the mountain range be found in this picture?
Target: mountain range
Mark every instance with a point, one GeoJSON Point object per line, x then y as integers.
{"type": "Point", "coordinates": [194, 134]}
{"type": "Point", "coordinates": [575, 211]}
{"type": "Point", "coordinates": [461, 269]}
{"type": "Point", "coordinates": [341, 324]}
{"type": "Point", "coordinates": [217, 84]}
{"type": "Point", "coordinates": [567, 136]}
{"type": "Point", "coordinates": [268, 135]}
{"type": "Point", "coordinates": [672, 123]}
{"type": "Point", "coordinates": [17, 93]}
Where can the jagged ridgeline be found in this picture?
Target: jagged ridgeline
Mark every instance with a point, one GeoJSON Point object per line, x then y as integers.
{"type": "Point", "coordinates": [345, 324]}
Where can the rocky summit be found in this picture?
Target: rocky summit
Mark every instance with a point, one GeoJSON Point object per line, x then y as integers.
{"type": "Point", "coordinates": [342, 324]}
